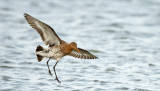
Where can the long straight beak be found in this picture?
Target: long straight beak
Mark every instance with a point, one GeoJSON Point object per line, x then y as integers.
{"type": "Point", "coordinates": [77, 50]}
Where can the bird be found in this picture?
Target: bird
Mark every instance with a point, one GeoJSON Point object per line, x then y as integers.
{"type": "Point", "coordinates": [57, 48]}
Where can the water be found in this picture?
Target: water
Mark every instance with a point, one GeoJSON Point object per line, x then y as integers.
{"type": "Point", "coordinates": [124, 34]}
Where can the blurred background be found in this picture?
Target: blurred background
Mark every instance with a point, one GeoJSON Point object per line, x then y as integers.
{"type": "Point", "coordinates": [124, 34]}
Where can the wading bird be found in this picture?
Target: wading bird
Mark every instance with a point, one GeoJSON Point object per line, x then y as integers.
{"type": "Point", "coordinates": [57, 48]}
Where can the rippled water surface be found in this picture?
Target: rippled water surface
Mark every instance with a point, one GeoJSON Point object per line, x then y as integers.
{"type": "Point", "coordinates": [124, 34]}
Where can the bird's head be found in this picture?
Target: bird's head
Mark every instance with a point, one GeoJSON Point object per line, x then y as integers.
{"type": "Point", "coordinates": [73, 45]}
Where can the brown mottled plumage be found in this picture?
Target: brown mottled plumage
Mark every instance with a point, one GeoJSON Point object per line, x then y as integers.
{"type": "Point", "coordinates": [57, 48]}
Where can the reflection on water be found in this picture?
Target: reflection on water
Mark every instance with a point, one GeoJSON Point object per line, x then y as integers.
{"type": "Point", "coordinates": [124, 34]}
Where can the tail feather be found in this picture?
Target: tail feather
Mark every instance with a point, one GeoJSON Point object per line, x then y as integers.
{"type": "Point", "coordinates": [39, 57]}
{"type": "Point", "coordinates": [39, 48]}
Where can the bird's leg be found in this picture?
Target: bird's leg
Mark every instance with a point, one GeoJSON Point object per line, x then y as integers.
{"type": "Point", "coordinates": [55, 72]}
{"type": "Point", "coordinates": [48, 67]}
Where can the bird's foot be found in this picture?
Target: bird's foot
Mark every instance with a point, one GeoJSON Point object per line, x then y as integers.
{"type": "Point", "coordinates": [57, 80]}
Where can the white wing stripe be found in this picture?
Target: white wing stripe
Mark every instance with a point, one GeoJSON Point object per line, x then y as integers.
{"type": "Point", "coordinates": [47, 34]}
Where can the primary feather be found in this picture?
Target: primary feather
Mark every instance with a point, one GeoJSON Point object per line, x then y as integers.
{"type": "Point", "coordinates": [47, 34]}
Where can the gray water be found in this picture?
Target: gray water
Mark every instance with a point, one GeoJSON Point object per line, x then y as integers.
{"type": "Point", "coordinates": [124, 34]}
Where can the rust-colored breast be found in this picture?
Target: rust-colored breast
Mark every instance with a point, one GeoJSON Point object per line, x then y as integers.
{"type": "Point", "coordinates": [65, 48]}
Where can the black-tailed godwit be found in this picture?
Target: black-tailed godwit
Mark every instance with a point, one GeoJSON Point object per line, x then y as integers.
{"type": "Point", "coordinates": [57, 48]}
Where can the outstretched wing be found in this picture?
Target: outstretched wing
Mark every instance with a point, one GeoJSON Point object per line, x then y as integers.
{"type": "Point", "coordinates": [83, 55]}
{"type": "Point", "coordinates": [47, 34]}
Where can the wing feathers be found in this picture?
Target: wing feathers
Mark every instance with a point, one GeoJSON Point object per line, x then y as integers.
{"type": "Point", "coordinates": [83, 55]}
{"type": "Point", "coordinates": [47, 34]}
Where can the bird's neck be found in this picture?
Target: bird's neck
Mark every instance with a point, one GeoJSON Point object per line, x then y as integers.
{"type": "Point", "coordinates": [67, 49]}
